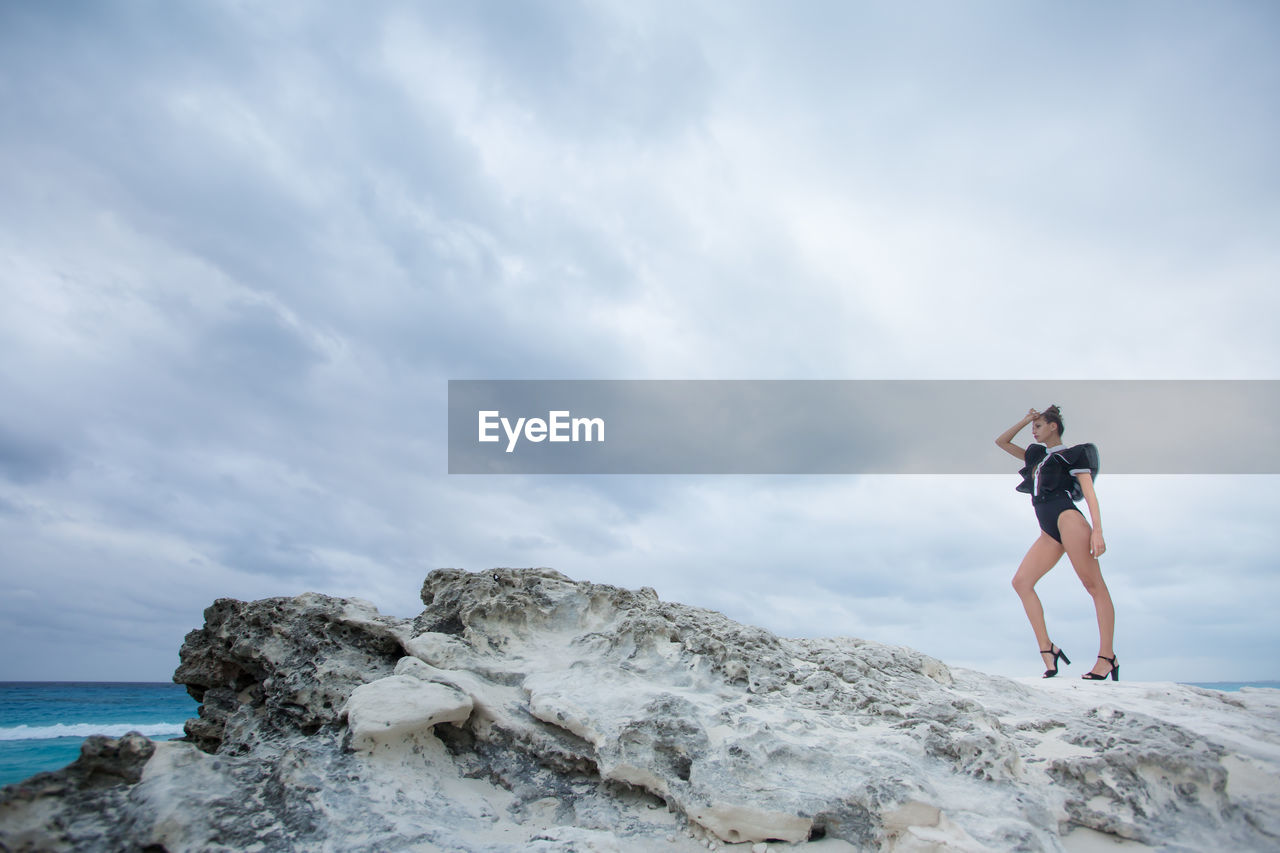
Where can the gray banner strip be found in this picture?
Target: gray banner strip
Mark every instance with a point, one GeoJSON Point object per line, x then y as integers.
{"type": "Point", "coordinates": [852, 426]}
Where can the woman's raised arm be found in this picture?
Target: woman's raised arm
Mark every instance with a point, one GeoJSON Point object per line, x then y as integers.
{"type": "Point", "coordinates": [1005, 439]}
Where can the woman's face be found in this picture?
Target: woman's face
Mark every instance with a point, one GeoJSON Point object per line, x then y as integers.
{"type": "Point", "coordinates": [1041, 429]}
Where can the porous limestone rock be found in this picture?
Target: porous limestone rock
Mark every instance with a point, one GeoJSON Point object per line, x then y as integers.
{"type": "Point", "coordinates": [75, 808]}
{"type": "Point", "coordinates": [385, 711]}
{"type": "Point", "coordinates": [278, 666]}
{"type": "Point", "coordinates": [522, 710]}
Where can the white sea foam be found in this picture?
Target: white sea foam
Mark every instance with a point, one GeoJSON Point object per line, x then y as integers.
{"type": "Point", "coordinates": [85, 729]}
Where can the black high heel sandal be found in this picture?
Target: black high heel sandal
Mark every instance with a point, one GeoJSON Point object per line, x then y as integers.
{"type": "Point", "coordinates": [1114, 673]}
{"type": "Point", "coordinates": [1057, 653]}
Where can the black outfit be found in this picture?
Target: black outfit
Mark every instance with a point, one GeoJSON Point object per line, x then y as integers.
{"type": "Point", "coordinates": [1050, 478]}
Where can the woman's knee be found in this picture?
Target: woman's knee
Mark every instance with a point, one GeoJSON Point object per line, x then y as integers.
{"type": "Point", "coordinates": [1092, 584]}
{"type": "Point", "coordinates": [1041, 557]}
{"type": "Point", "coordinates": [1028, 575]}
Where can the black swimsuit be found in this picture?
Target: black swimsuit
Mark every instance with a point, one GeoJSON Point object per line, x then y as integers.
{"type": "Point", "coordinates": [1049, 507]}
{"type": "Point", "coordinates": [1050, 479]}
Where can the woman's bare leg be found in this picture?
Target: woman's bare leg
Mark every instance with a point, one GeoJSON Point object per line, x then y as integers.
{"type": "Point", "coordinates": [1042, 556]}
{"type": "Point", "coordinates": [1075, 531]}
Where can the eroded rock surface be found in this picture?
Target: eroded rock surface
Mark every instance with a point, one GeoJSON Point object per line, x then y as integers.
{"type": "Point", "coordinates": [279, 666]}
{"type": "Point", "coordinates": [525, 711]}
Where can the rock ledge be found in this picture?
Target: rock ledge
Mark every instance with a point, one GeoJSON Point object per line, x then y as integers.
{"type": "Point", "coordinates": [522, 710]}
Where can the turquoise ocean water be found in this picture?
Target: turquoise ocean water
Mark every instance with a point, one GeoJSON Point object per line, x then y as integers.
{"type": "Point", "coordinates": [1234, 685]}
{"type": "Point", "coordinates": [42, 723]}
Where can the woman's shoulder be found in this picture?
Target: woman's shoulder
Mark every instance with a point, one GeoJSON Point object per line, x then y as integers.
{"type": "Point", "coordinates": [1083, 456]}
{"type": "Point", "coordinates": [1085, 450]}
{"type": "Point", "coordinates": [1033, 453]}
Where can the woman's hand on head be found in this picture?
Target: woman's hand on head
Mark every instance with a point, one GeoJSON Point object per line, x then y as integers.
{"type": "Point", "coordinates": [1032, 414]}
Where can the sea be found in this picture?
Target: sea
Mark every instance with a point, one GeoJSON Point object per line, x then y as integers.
{"type": "Point", "coordinates": [43, 723]}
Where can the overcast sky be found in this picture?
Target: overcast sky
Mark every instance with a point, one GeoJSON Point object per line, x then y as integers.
{"type": "Point", "coordinates": [243, 247]}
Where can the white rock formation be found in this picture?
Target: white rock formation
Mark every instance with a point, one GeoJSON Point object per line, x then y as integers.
{"type": "Point", "coordinates": [383, 713]}
{"type": "Point", "coordinates": [524, 711]}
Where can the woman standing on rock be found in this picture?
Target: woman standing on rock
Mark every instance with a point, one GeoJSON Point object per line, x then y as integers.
{"type": "Point", "coordinates": [1056, 476]}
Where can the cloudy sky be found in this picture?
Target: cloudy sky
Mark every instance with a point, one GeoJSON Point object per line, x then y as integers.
{"type": "Point", "coordinates": [243, 248]}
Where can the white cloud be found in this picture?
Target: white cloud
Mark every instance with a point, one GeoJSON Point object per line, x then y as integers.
{"type": "Point", "coordinates": [242, 250]}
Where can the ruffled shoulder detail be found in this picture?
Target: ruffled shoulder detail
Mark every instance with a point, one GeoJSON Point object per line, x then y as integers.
{"type": "Point", "coordinates": [1080, 458]}
{"type": "Point", "coordinates": [1031, 456]}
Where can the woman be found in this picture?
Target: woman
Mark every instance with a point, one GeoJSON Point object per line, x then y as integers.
{"type": "Point", "coordinates": [1056, 476]}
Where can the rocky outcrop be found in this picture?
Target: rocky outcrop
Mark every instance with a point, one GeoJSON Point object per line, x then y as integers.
{"type": "Point", "coordinates": [280, 666]}
{"type": "Point", "coordinates": [525, 711]}
{"type": "Point", "coordinates": [73, 808]}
